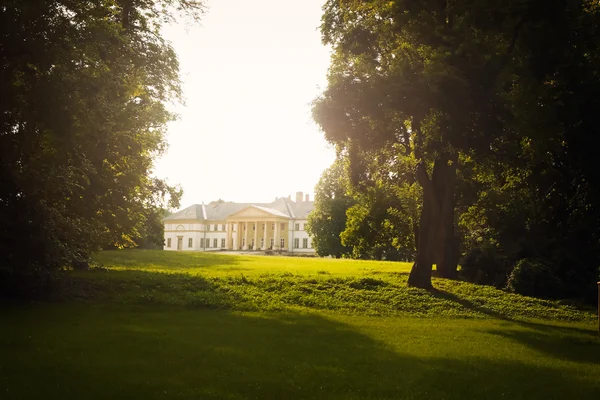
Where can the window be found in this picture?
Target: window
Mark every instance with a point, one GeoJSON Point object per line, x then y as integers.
{"type": "Point", "coordinates": [243, 242]}
{"type": "Point", "coordinates": [297, 243]}
{"type": "Point", "coordinates": [252, 243]}
{"type": "Point", "coordinates": [222, 243]}
{"type": "Point", "coordinates": [282, 242]}
{"type": "Point", "coordinates": [253, 227]}
{"type": "Point", "coordinates": [215, 242]}
{"type": "Point", "coordinates": [262, 243]}
{"type": "Point", "coordinates": [207, 243]}
{"type": "Point", "coordinates": [304, 243]}
{"type": "Point", "coordinates": [272, 242]}
{"type": "Point", "coordinates": [190, 242]}
{"type": "Point", "coordinates": [169, 242]}
{"type": "Point", "coordinates": [223, 229]}
{"type": "Point", "coordinates": [283, 227]}
{"type": "Point", "coordinates": [297, 227]}
{"type": "Point", "coordinates": [201, 243]}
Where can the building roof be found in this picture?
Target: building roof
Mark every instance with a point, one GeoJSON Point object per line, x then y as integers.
{"type": "Point", "coordinates": [220, 210]}
{"type": "Point", "coordinates": [192, 212]}
{"type": "Point", "coordinates": [301, 209]}
{"type": "Point", "coordinates": [272, 211]}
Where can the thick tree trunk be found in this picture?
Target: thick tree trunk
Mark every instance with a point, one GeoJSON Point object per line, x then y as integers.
{"type": "Point", "coordinates": [420, 274]}
{"type": "Point", "coordinates": [436, 241]}
{"type": "Point", "coordinates": [447, 245]}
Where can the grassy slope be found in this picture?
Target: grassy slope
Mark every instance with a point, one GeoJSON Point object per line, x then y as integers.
{"type": "Point", "coordinates": [142, 334]}
{"type": "Point", "coordinates": [254, 283]}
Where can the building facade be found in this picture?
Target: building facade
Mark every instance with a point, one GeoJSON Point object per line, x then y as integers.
{"type": "Point", "coordinates": [221, 225]}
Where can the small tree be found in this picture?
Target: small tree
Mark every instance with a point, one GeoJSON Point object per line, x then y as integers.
{"type": "Point", "coordinates": [327, 220]}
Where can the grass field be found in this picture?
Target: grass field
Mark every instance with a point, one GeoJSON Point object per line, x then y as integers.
{"type": "Point", "coordinates": [156, 325]}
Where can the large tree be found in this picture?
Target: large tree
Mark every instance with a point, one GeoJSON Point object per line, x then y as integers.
{"type": "Point", "coordinates": [85, 87]}
{"type": "Point", "coordinates": [443, 79]}
{"type": "Point", "coordinates": [537, 197]}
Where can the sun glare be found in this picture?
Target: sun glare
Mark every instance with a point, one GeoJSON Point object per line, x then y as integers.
{"type": "Point", "coordinates": [249, 73]}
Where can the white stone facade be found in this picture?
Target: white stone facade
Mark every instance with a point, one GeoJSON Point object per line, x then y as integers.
{"type": "Point", "coordinates": [280, 225]}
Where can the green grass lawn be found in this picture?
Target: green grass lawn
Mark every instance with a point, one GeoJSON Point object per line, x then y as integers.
{"type": "Point", "coordinates": [156, 325]}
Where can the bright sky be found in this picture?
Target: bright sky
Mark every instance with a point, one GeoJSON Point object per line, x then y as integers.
{"type": "Point", "coordinates": [249, 71]}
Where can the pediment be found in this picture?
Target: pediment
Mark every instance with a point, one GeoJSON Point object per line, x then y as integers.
{"type": "Point", "coordinates": [256, 212]}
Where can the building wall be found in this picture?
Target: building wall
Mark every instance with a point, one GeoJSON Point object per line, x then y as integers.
{"type": "Point", "coordinates": [199, 233]}
{"type": "Point", "coordinates": [299, 234]}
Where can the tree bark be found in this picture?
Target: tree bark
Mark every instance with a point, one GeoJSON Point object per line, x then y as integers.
{"type": "Point", "coordinates": [436, 241]}
{"type": "Point", "coordinates": [447, 245]}
{"type": "Point", "coordinates": [420, 274]}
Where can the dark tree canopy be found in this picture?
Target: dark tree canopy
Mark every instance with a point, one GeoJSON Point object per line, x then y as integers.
{"type": "Point", "coordinates": [505, 85]}
{"type": "Point", "coordinates": [85, 87]}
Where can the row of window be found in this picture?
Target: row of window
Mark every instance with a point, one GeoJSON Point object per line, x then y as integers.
{"type": "Point", "coordinates": [262, 243]}
{"type": "Point", "coordinates": [215, 243]}
{"type": "Point", "coordinates": [215, 227]}
{"type": "Point", "coordinates": [264, 226]}
{"type": "Point", "coordinates": [297, 227]}
{"type": "Point", "coordinates": [305, 244]}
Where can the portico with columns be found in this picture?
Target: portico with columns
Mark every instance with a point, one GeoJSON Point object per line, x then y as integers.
{"type": "Point", "coordinates": [257, 228]}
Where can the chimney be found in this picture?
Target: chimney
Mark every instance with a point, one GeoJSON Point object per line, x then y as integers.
{"type": "Point", "coordinates": [306, 198]}
{"type": "Point", "coordinates": [298, 197]}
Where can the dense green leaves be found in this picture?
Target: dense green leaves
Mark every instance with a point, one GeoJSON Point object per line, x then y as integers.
{"type": "Point", "coordinates": [373, 218]}
{"type": "Point", "coordinates": [328, 218]}
{"type": "Point", "coordinates": [495, 101]}
{"type": "Point", "coordinates": [84, 87]}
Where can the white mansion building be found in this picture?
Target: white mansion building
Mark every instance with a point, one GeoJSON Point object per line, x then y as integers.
{"type": "Point", "coordinates": [223, 225]}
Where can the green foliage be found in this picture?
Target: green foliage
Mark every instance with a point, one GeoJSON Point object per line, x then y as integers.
{"type": "Point", "coordinates": [506, 93]}
{"type": "Point", "coordinates": [379, 226]}
{"type": "Point", "coordinates": [485, 265]}
{"type": "Point", "coordinates": [372, 217]}
{"type": "Point", "coordinates": [84, 92]}
{"type": "Point", "coordinates": [534, 278]}
{"type": "Point", "coordinates": [328, 217]}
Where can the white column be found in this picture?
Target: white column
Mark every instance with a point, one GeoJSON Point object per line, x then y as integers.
{"type": "Point", "coordinates": [276, 236]}
{"type": "Point", "coordinates": [229, 244]}
{"type": "Point", "coordinates": [245, 247]}
{"type": "Point", "coordinates": [255, 235]}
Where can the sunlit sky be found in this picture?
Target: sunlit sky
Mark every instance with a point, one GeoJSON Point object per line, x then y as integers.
{"type": "Point", "coordinates": [250, 70]}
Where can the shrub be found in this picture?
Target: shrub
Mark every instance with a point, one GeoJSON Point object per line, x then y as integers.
{"type": "Point", "coordinates": [485, 265]}
{"type": "Point", "coordinates": [535, 278]}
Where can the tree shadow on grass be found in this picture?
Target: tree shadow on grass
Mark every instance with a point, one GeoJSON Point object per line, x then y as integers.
{"type": "Point", "coordinates": [562, 347]}
{"type": "Point", "coordinates": [100, 353]}
{"type": "Point", "coordinates": [561, 342]}
{"type": "Point", "coordinates": [144, 259]}
{"type": "Point", "coordinates": [470, 305]}
{"type": "Point", "coordinates": [155, 288]}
